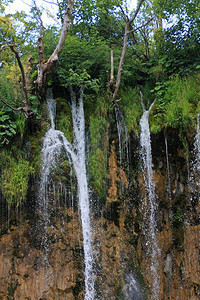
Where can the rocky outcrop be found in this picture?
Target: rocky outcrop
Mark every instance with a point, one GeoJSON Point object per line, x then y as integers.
{"type": "Point", "coordinates": [52, 273]}
{"type": "Point", "coordinates": [30, 270]}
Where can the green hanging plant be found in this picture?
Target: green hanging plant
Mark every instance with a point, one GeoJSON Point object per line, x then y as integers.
{"type": "Point", "coordinates": [15, 179]}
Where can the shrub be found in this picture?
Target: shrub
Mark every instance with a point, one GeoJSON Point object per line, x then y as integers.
{"type": "Point", "coordinates": [15, 179]}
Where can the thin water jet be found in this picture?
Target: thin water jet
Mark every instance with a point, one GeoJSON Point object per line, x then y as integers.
{"type": "Point", "coordinates": [194, 177]}
{"type": "Point", "coordinates": [123, 136]}
{"type": "Point", "coordinates": [168, 171]}
{"type": "Point", "coordinates": [150, 203]}
{"type": "Point", "coordinates": [132, 289]}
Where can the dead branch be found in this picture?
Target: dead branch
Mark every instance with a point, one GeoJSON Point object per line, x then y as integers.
{"type": "Point", "coordinates": [125, 17]}
{"type": "Point", "coordinates": [8, 105]}
{"type": "Point", "coordinates": [112, 69]}
{"type": "Point", "coordinates": [121, 61]}
{"type": "Point", "coordinates": [26, 104]}
{"type": "Point", "coordinates": [126, 33]}
{"type": "Point", "coordinates": [2, 108]}
{"type": "Point", "coordinates": [23, 76]}
{"type": "Point", "coordinates": [143, 25]}
{"type": "Point", "coordinates": [44, 68]}
{"type": "Point", "coordinates": [25, 109]}
{"type": "Point", "coordinates": [39, 17]}
{"type": "Point", "coordinates": [137, 11]}
{"type": "Point", "coordinates": [51, 2]}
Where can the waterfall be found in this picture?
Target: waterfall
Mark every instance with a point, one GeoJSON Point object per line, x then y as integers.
{"type": "Point", "coordinates": [194, 170]}
{"type": "Point", "coordinates": [123, 137]}
{"type": "Point", "coordinates": [168, 171]}
{"type": "Point", "coordinates": [132, 289]}
{"type": "Point", "coordinates": [79, 163]}
{"type": "Point", "coordinates": [54, 143]}
{"type": "Point", "coordinates": [150, 205]}
{"type": "Point", "coordinates": [168, 181]}
{"type": "Point", "coordinates": [196, 164]}
{"type": "Point", "coordinates": [51, 149]}
{"type": "Point", "coordinates": [194, 176]}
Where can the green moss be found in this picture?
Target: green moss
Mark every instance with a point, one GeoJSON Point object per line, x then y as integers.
{"type": "Point", "coordinates": [131, 106]}
{"type": "Point", "coordinates": [15, 179]}
{"type": "Point", "coordinates": [99, 122]}
{"type": "Point", "coordinates": [178, 216]}
{"type": "Point", "coordinates": [64, 118]}
{"type": "Point", "coordinates": [142, 283]}
{"type": "Point", "coordinates": [35, 141]}
{"type": "Point", "coordinates": [98, 170]}
{"type": "Point", "coordinates": [99, 144]}
{"type": "Point", "coordinates": [11, 289]}
{"type": "Point", "coordinates": [178, 227]}
{"type": "Point", "coordinates": [177, 103]}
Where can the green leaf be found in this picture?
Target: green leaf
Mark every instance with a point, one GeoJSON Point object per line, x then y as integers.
{"type": "Point", "coordinates": [4, 117]}
{"type": "Point", "coordinates": [12, 130]}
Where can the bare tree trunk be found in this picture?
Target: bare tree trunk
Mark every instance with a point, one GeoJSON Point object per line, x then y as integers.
{"type": "Point", "coordinates": [121, 61]}
{"type": "Point", "coordinates": [23, 76]}
{"type": "Point", "coordinates": [126, 33]}
{"type": "Point", "coordinates": [44, 68]}
{"type": "Point", "coordinates": [112, 67]}
{"type": "Point", "coordinates": [26, 104]}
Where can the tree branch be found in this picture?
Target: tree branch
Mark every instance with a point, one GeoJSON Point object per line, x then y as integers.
{"type": "Point", "coordinates": [136, 12]}
{"type": "Point", "coordinates": [8, 105]}
{"type": "Point", "coordinates": [133, 30]}
{"type": "Point", "coordinates": [51, 2]}
{"type": "Point", "coordinates": [26, 104]}
{"type": "Point", "coordinates": [65, 28]}
{"type": "Point", "coordinates": [44, 68]}
{"type": "Point", "coordinates": [111, 83]}
{"type": "Point", "coordinates": [2, 108]}
{"type": "Point", "coordinates": [39, 17]}
{"type": "Point", "coordinates": [125, 17]}
{"type": "Point", "coordinates": [121, 61]}
{"type": "Point", "coordinates": [126, 33]}
{"type": "Point", "coordinates": [23, 76]}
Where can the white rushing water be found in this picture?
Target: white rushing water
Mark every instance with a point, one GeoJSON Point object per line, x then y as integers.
{"type": "Point", "coordinates": [197, 148]}
{"type": "Point", "coordinates": [123, 136]}
{"type": "Point", "coordinates": [168, 181]}
{"type": "Point", "coordinates": [132, 289]}
{"type": "Point", "coordinates": [51, 149]}
{"type": "Point", "coordinates": [54, 143]}
{"type": "Point", "coordinates": [194, 168]}
{"type": "Point", "coordinates": [150, 205]}
{"type": "Point", "coordinates": [168, 170]}
{"type": "Point", "coordinates": [79, 163]}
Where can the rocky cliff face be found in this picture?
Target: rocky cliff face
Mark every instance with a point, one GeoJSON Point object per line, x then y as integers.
{"type": "Point", "coordinates": [30, 270]}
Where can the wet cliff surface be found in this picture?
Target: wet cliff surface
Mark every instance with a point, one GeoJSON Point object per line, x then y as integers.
{"type": "Point", "coordinates": [31, 268]}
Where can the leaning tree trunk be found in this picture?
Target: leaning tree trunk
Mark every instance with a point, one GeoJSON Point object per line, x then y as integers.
{"type": "Point", "coordinates": [45, 68]}
{"type": "Point", "coordinates": [125, 43]}
{"type": "Point", "coordinates": [25, 107]}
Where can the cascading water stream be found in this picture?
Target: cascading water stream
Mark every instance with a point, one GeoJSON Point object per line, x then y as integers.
{"type": "Point", "coordinates": [54, 143]}
{"type": "Point", "coordinates": [194, 174]}
{"type": "Point", "coordinates": [168, 170]}
{"type": "Point", "coordinates": [132, 289]}
{"type": "Point", "coordinates": [122, 136]}
{"type": "Point", "coordinates": [168, 181]}
{"type": "Point", "coordinates": [51, 149]}
{"type": "Point", "coordinates": [150, 205]}
{"type": "Point", "coordinates": [196, 165]}
{"type": "Point", "coordinates": [79, 163]}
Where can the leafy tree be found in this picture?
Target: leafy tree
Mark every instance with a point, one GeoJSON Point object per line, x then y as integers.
{"type": "Point", "coordinates": [179, 50]}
